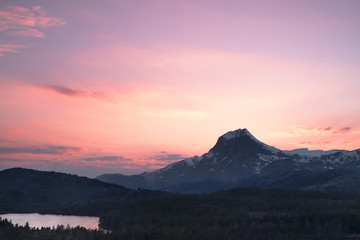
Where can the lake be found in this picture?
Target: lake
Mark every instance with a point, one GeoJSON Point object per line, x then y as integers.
{"type": "Point", "coordinates": [49, 220]}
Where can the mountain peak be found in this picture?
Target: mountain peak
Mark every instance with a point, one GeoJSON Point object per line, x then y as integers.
{"type": "Point", "coordinates": [238, 133]}
{"type": "Point", "coordinates": [243, 142]}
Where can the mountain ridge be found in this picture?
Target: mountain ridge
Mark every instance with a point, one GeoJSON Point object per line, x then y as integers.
{"type": "Point", "coordinates": [237, 159]}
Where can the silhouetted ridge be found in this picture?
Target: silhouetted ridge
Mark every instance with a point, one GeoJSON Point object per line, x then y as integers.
{"type": "Point", "coordinates": [27, 190]}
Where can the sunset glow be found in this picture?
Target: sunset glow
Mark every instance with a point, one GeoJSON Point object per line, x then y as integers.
{"type": "Point", "coordinates": [92, 87]}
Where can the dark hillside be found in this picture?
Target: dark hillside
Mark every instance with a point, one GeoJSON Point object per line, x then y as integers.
{"type": "Point", "coordinates": [26, 190]}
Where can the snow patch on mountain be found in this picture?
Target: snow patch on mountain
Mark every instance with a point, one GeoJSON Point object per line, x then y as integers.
{"type": "Point", "coordinates": [244, 132]}
{"type": "Point", "coordinates": [263, 161]}
{"type": "Point", "coordinates": [192, 161]}
{"type": "Point", "coordinates": [210, 154]}
{"type": "Point", "coordinates": [309, 153]}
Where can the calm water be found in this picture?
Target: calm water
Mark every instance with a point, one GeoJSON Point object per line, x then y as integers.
{"type": "Point", "coordinates": [49, 220]}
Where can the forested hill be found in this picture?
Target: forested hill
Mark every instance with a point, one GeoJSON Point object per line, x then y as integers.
{"type": "Point", "coordinates": [26, 190]}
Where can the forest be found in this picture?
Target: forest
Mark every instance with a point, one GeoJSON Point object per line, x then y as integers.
{"type": "Point", "coordinates": [242, 213]}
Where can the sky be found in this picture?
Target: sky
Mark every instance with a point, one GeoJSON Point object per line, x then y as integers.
{"type": "Point", "coordinates": [105, 86]}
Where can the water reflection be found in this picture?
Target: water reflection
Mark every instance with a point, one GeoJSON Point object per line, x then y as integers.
{"type": "Point", "coordinates": [49, 220]}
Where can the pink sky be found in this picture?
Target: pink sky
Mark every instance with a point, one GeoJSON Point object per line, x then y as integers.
{"type": "Point", "coordinates": [92, 87]}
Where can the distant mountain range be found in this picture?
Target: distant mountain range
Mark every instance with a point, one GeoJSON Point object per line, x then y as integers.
{"type": "Point", "coordinates": [239, 159]}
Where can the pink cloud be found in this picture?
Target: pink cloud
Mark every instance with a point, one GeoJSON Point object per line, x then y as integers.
{"type": "Point", "coordinates": [343, 130]}
{"type": "Point", "coordinates": [115, 95]}
{"type": "Point", "coordinates": [27, 21]}
{"type": "Point", "coordinates": [14, 130]}
{"type": "Point", "coordinates": [325, 129]}
{"type": "Point", "coordinates": [325, 138]}
{"type": "Point", "coordinates": [300, 131]}
{"type": "Point", "coordinates": [47, 150]}
{"type": "Point", "coordinates": [67, 91]}
{"type": "Point", "coordinates": [10, 48]}
{"type": "Point", "coordinates": [72, 92]}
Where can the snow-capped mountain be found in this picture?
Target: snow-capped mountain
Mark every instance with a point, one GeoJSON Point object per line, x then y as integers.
{"type": "Point", "coordinates": [311, 153]}
{"type": "Point", "coordinates": [237, 159]}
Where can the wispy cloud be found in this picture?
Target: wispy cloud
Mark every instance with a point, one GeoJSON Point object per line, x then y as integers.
{"type": "Point", "coordinates": [333, 130]}
{"type": "Point", "coordinates": [66, 91]}
{"type": "Point", "coordinates": [314, 142]}
{"type": "Point", "coordinates": [17, 21]}
{"type": "Point", "coordinates": [342, 130]}
{"type": "Point", "coordinates": [11, 160]}
{"type": "Point", "coordinates": [13, 130]}
{"type": "Point", "coordinates": [10, 48]}
{"type": "Point", "coordinates": [6, 141]}
{"type": "Point", "coordinates": [49, 150]}
{"type": "Point", "coordinates": [108, 158]}
{"type": "Point", "coordinates": [22, 21]}
{"type": "Point", "coordinates": [164, 156]}
{"type": "Point", "coordinates": [6, 161]}
{"type": "Point", "coordinates": [72, 92]}
{"type": "Point", "coordinates": [109, 161]}
{"type": "Point", "coordinates": [325, 129]}
{"type": "Point", "coordinates": [298, 131]}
